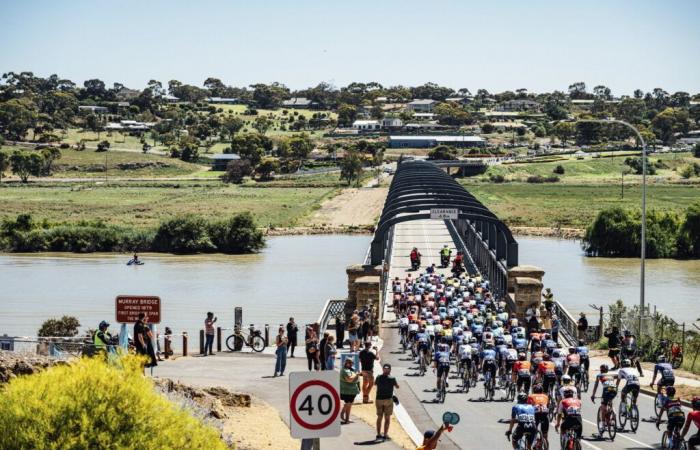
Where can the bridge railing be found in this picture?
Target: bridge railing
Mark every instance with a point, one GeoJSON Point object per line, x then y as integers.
{"type": "Point", "coordinates": [568, 327]}
{"type": "Point", "coordinates": [332, 309]}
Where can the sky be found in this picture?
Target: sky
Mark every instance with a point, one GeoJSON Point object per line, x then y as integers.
{"type": "Point", "coordinates": [495, 45]}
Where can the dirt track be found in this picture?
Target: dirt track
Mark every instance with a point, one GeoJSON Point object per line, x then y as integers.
{"type": "Point", "coordinates": [353, 207]}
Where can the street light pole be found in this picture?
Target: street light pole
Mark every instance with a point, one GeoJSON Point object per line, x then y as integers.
{"type": "Point", "coordinates": [644, 206]}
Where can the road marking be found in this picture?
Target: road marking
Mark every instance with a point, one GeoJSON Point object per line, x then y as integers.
{"type": "Point", "coordinates": [622, 435]}
{"type": "Point", "coordinates": [590, 445]}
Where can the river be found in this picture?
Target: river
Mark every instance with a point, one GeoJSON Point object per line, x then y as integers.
{"type": "Point", "coordinates": [293, 276]}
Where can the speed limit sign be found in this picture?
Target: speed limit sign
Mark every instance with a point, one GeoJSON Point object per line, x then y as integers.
{"type": "Point", "coordinates": [314, 404]}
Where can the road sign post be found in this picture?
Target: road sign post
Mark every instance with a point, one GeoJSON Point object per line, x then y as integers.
{"type": "Point", "coordinates": [314, 406]}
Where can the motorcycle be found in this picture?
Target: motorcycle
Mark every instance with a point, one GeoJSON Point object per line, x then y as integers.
{"type": "Point", "coordinates": [444, 260]}
{"type": "Point", "coordinates": [415, 264]}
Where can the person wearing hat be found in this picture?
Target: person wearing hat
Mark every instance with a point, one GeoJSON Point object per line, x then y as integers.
{"type": "Point", "coordinates": [349, 388]}
{"type": "Point", "coordinates": [102, 338]}
{"type": "Point", "coordinates": [384, 400]}
{"type": "Point", "coordinates": [548, 300]}
{"type": "Point", "coordinates": [431, 438]}
{"type": "Point", "coordinates": [582, 326]}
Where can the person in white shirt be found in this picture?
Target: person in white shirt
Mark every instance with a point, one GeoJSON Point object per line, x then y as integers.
{"type": "Point", "coordinates": [631, 380]}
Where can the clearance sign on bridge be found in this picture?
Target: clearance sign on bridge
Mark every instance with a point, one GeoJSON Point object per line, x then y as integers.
{"type": "Point", "coordinates": [128, 308]}
{"type": "Point", "coordinates": [444, 213]}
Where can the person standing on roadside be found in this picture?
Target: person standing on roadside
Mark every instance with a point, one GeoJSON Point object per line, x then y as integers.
{"type": "Point", "coordinates": [322, 350]}
{"type": "Point", "coordinates": [349, 388]}
{"type": "Point", "coordinates": [367, 358]}
{"type": "Point", "coordinates": [292, 330]}
{"type": "Point", "coordinates": [312, 349]}
{"type": "Point", "coordinates": [140, 336]}
{"type": "Point", "coordinates": [582, 326]}
{"type": "Point", "coordinates": [431, 438]}
{"type": "Point", "coordinates": [209, 332]}
{"type": "Point", "coordinates": [280, 352]}
{"type": "Point", "coordinates": [384, 401]}
{"type": "Point", "coordinates": [330, 353]}
{"type": "Point", "coordinates": [614, 346]}
{"type": "Point", "coordinates": [353, 330]}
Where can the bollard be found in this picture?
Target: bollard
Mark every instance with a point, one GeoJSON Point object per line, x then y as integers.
{"type": "Point", "coordinates": [201, 342]}
{"type": "Point", "coordinates": [218, 339]}
{"type": "Point", "coordinates": [184, 343]}
{"type": "Point", "coordinates": [267, 334]}
{"type": "Point", "coordinates": [167, 346]}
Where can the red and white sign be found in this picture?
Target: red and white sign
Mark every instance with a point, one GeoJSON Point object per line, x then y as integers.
{"type": "Point", "coordinates": [314, 404]}
{"type": "Point", "coordinates": [128, 308]}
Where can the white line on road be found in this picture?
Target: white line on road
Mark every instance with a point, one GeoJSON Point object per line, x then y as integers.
{"type": "Point", "coordinates": [621, 435]}
{"type": "Point", "coordinates": [590, 445]}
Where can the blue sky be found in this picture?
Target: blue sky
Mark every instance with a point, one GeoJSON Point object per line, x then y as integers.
{"type": "Point", "coordinates": [496, 45]}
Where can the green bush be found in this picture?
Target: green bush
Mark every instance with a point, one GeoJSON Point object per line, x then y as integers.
{"type": "Point", "coordinates": [559, 170]}
{"type": "Point", "coordinates": [90, 404]}
{"type": "Point", "coordinates": [237, 235]}
{"type": "Point", "coordinates": [184, 234]}
{"type": "Point", "coordinates": [65, 326]}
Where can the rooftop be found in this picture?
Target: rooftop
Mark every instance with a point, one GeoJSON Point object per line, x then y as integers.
{"type": "Point", "coordinates": [439, 138]}
{"type": "Point", "coordinates": [423, 101]}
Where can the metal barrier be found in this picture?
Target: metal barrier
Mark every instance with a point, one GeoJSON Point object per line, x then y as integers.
{"type": "Point", "coordinates": [332, 309]}
{"type": "Point", "coordinates": [568, 327]}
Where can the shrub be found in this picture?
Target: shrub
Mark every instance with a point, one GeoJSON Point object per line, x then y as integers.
{"type": "Point", "coordinates": [236, 170]}
{"type": "Point", "coordinates": [65, 326]}
{"type": "Point", "coordinates": [237, 235]}
{"type": "Point", "coordinates": [184, 234]}
{"type": "Point", "coordinates": [487, 128]}
{"type": "Point", "coordinates": [103, 146]}
{"type": "Point", "coordinates": [64, 146]}
{"type": "Point", "coordinates": [559, 170]}
{"type": "Point", "coordinates": [90, 404]}
{"type": "Point", "coordinates": [686, 171]}
{"type": "Point", "coordinates": [636, 165]}
{"type": "Point", "coordinates": [696, 150]}
{"type": "Point", "coordinates": [497, 178]}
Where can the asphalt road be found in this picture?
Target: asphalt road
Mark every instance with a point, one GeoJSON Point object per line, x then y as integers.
{"type": "Point", "coordinates": [483, 424]}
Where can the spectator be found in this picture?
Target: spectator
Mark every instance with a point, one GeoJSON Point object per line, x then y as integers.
{"type": "Point", "coordinates": [150, 348]}
{"type": "Point", "coordinates": [367, 327]}
{"type": "Point", "coordinates": [548, 300]}
{"type": "Point", "coordinates": [384, 401]}
{"type": "Point", "coordinates": [292, 330]}
{"type": "Point", "coordinates": [555, 328]}
{"type": "Point", "coordinates": [322, 350]}
{"type": "Point", "coordinates": [582, 326]}
{"type": "Point", "coordinates": [209, 333]}
{"type": "Point", "coordinates": [168, 342]}
{"type": "Point", "coordinates": [349, 388]}
{"type": "Point", "coordinates": [140, 335]}
{"type": "Point", "coordinates": [280, 352]}
{"type": "Point", "coordinates": [431, 438]}
{"type": "Point", "coordinates": [367, 358]}
{"type": "Point", "coordinates": [614, 346]}
{"type": "Point", "coordinates": [312, 348]}
{"type": "Point", "coordinates": [339, 330]}
{"type": "Point", "coordinates": [353, 330]}
{"type": "Point", "coordinates": [330, 353]}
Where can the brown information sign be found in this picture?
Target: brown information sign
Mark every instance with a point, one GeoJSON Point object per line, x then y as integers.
{"type": "Point", "coordinates": [128, 308]}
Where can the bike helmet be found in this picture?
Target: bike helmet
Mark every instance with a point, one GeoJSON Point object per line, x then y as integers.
{"type": "Point", "coordinates": [522, 397]}
{"type": "Point", "coordinates": [568, 393]}
{"type": "Point", "coordinates": [661, 359]}
{"type": "Point", "coordinates": [546, 357]}
{"type": "Point", "coordinates": [443, 348]}
{"type": "Point", "coordinates": [628, 333]}
{"type": "Point", "coordinates": [104, 324]}
{"type": "Point", "coordinates": [696, 403]}
{"type": "Point", "coordinates": [604, 368]}
{"type": "Point", "coordinates": [625, 363]}
{"type": "Point", "coordinates": [572, 350]}
{"type": "Point", "coordinates": [581, 344]}
{"type": "Point", "coordinates": [566, 379]}
{"type": "Point", "coordinates": [537, 389]}
{"type": "Point", "coordinates": [472, 340]}
{"type": "Point", "coordinates": [670, 391]}
{"type": "Point", "coordinates": [521, 356]}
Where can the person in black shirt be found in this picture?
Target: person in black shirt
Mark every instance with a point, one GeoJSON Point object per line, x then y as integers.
{"type": "Point", "coordinates": [292, 330]}
{"type": "Point", "coordinates": [614, 346]}
{"type": "Point", "coordinates": [322, 350]}
{"type": "Point", "coordinates": [582, 326]}
{"type": "Point", "coordinates": [140, 336]}
{"type": "Point", "coordinates": [384, 399]}
{"type": "Point", "coordinates": [367, 358]}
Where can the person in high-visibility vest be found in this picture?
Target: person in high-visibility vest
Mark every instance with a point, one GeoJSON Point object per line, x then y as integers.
{"type": "Point", "coordinates": [102, 337]}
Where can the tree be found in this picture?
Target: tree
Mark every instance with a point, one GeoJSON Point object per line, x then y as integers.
{"type": "Point", "coordinates": [17, 116]}
{"type": "Point", "coordinates": [250, 146]}
{"type": "Point", "coordinates": [443, 152]}
{"type": "Point", "coordinates": [670, 121]}
{"type": "Point", "coordinates": [451, 114]}
{"type": "Point", "coordinates": [300, 146]}
{"type": "Point", "coordinates": [637, 166]}
{"type": "Point", "coordinates": [346, 115]}
{"type": "Point", "coordinates": [103, 146]}
{"type": "Point", "coordinates": [26, 164]}
{"type": "Point", "coordinates": [487, 128]}
{"type": "Point", "coordinates": [269, 96]}
{"type": "Point", "coordinates": [50, 154]}
{"type": "Point", "coordinates": [94, 124]}
{"type": "Point", "coordinates": [262, 124]}
{"type": "Point", "coordinates": [564, 131]}
{"type": "Point", "coordinates": [689, 235]}
{"type": "Point", "coordinates": [351, 167]}
{"type": "Point", "coordinates": [232, 125]}
{"type": "Point", "coordinates": [94, 89]}
{"type": "Point", "coordinates": [559, 170]}
{"type": "Point", "coordinates": [4, 164]}
{"type": "Point", "coordinates": [236, 170]}
{"type": "Point", "coordinates": [578, 90]}
{"type": "Point", "coordinates": [66, 326]}
{"type": "Point", "coordinates": [266, 167]}
{"type": "Point", "coordinates": [602, 92]}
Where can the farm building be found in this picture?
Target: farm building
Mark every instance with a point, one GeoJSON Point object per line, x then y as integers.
{"type": "Point", "coordinates": [429, 141]}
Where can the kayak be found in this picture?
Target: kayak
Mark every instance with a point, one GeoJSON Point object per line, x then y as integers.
{"type": "Point", "coordinates": [134, 263]}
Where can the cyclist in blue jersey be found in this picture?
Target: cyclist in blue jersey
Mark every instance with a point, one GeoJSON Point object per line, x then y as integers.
{"type": "Point", "coordinates": [582, 351]}
{"type": "Point", "coordinates": [664, 369]}
{"type": "Point", "coordinates": [520, 343]}
{"type": "Point", "coordinates": [488, 362]}
{"type": "Point", "coordinates": [441, 363]}
{"type": "Point", "coordinates": [522, 414]}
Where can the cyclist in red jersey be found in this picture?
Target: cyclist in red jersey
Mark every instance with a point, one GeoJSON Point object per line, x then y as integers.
{"type": "Point", "coordinates": [693, 417]}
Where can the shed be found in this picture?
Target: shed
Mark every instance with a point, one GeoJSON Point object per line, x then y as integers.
{"type": "Point", "coordinates": [219, 161]}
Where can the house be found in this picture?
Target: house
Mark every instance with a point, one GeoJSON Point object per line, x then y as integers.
{"type": "Point", "coordinates": [94, 109]}
{"type": "Point", "coordinates": [691, 138]}
{"type": "Point", "coordinates": [421, 105]}
{"type": "Point", "coordinates": [433, 141]}
{"type": "Point", "coordinates": [462, 100]}
{"type": "Point", "coordinates": [128, 125]}
{"type": "Point", "coordinates": [170, 98]}
{"type": "Point", "coordinates": [219, 161]}
{"type": "Point", "coordinates": [222, 100]}
{"type": "Point", "coordinates": [519, 105]}
{"type": "Point", "coordinates": [391, 123]}
{"type": "Point", "coordinates": [418, 126]}
{"type": "Point", "coordinates": [424, 116]}
{"type": "Point", "coordinates": [367, 125]}
{"type": "Point", "coordinates": [299, 102]}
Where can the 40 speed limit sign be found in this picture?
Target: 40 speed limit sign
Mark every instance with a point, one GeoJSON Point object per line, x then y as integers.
{"type": "Point", "coordinates": [314, 404]}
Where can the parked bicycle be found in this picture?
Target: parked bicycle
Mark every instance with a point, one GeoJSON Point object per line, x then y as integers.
{"type": "Point", "coordinates": [252, 339]}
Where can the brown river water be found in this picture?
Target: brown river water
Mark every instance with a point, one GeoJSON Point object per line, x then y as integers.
{"type": "Point", "coordinates": [293, 276]}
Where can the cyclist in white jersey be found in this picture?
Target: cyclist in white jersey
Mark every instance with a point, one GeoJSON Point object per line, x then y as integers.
{"type": "Point", "coordinates": [631, 380]}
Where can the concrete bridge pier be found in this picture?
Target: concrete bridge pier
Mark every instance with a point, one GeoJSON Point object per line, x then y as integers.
{"type": "Point", "coordinates": [525, 287]}
{"type": "Point", "coordinates": [364, 289]}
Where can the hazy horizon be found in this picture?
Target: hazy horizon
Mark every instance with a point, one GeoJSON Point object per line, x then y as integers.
{"type": "Point", "coordinates": [541, 46]}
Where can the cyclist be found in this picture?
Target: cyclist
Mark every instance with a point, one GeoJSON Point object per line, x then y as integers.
{"type": "Point", "coordinates": [569, 409]}
{"type": "Point", "coordinates": [631, 381]}
{"type": "Point", "coordinates": [666, 370]}
{"type": "Point", "coordinates": [521, 373]}
{"type": "Point", "coordinates": [524, 415]}
{"type": "Point", "coordinates": [520, 343]}
{"type": "Point", "coordinates": [540, 401]}
{"type": "Point", "coordinates": [546, 373]}
{"type": "Point", "coordinates": [403, 328]}
{"type": "Point", "coordinates": [630, 351]}
{"type": "Point", "coordinates": [442, 364]}
{"type": "Point", "coordinates": [567, 386]}
{"type": "Point", "coordinates": [674, 411]}
{"type": "Point", "coordinates": [573, 364]}
{"type": "Point", "coordinates": [488, 362]}
{"type": "Point", "coordinates": [465, 357]}
{"type": "Point", "coordinates": [582, 351]}
{"type": "Point", "coordinates": [445, 254]}
{"type": "Point", "coordinates": [422, 344]}
{"type": "Point", "coordinates": [607, 381]}
{"type": "Point", "coordinates": [559, 360]}
{"type": "Point", "coordinates": [693, 417]}
{"type": "Point", "coordinates": [511, 356]}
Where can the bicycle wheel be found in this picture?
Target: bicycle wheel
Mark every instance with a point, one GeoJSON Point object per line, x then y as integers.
{"type": "Point", "coordinates": [600, 422]}
{"type": "Point", "coordinates": [584, 382]}
{"type": "Point", "coordinates": [258, 343]}
{"type": "Point", "coordinates": [664, 440]}
{"type": "Point", "coordinates": [658, 405]}
{"type": "Point", "coordinates": [677, 361]}
{"type": "Point", "coordinates": [612, 424]}
{"type": "Point", "coordinates": [511, 393]}
{"type": "Point", "coordinates": [634, 418]}
{"type": "Point", "coordinates": [466, 383]}
{"type": "Point", "coordinates": [234, 342]}
{"type": "Point", "coordinates": [622, 414]}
